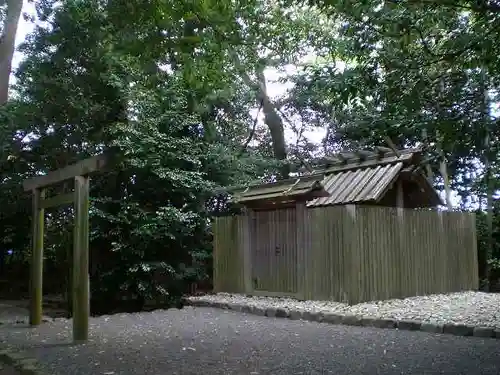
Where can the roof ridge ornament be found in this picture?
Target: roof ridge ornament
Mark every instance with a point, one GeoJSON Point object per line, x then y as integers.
{"type": "Point", "coordinates": [286, 191]}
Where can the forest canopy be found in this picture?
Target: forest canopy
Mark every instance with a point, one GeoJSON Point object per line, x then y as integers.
{"type": "Point", "coordinates": [198, 95]}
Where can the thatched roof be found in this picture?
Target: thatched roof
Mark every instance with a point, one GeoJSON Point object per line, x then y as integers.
{"type": "Point", "coordinates": [348, 178]}
{"type": "Point", "coordinates": [299, 188]}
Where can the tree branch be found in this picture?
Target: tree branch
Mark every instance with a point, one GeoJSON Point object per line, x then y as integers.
{"type": "Point", "coordinates": [252, 132]}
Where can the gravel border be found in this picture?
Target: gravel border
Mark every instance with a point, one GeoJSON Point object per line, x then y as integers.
{"type": "Point", "coordinates": [337, 316]}
{"type": "Point", "coordinates": [22, 362]}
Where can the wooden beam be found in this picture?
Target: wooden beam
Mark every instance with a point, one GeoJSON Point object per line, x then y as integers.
{"type": "Point", "coordinates": [391, 144]}
{"type": "Point", "coordinates": [58, 200]}
{"type": "Point", "coordinates": [369, 163]}
{"type": "Point", "coordinates": [82, 168]}
{"type": "Point", "coordinates": [345, 156]}
{"type": "Point", "coordinates": [238, 189]}
{"type": "Point", "coordinates": [36, 282]}
{"type": "Point", "coordinates": [383, 150]}
{"type": "Point", "coordinates": [81, 303]}
{"type": "Point", "coordinates": [363, 154]}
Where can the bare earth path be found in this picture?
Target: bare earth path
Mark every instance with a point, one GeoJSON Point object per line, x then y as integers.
{"type": "Point", "coordinates": [8, 370]}
{"type": "Point", "coordinates": [211, 341]}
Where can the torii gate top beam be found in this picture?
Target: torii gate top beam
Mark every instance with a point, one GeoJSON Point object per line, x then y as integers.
{"type": "Point", "coordinates": [82, 168]}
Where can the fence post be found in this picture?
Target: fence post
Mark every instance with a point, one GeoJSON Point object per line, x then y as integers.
{"type": "Point", "coordinates": [81, 304]}
{"type": "Point", "coordinates": [36, 283]}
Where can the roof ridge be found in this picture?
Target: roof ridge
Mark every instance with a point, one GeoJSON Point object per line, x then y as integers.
{"type": "Point", "coordinates": [365, 160]}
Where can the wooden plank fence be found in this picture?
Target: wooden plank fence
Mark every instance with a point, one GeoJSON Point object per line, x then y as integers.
{"type": "Point", "coordinates": [356, 253]}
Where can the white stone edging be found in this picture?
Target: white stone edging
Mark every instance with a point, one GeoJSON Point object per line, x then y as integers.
{"type": "Point", "coordinates": [351, 320]}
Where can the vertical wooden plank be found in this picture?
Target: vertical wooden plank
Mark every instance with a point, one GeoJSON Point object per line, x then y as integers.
{"type": "Point", "coordinates": [317, 238]}
{"type": "Point", "coordinates": [351, 244]}
{"type": "Point", "coordinates": [464, 250]}
{"type": "Point", "coordinates": [336, 222]}
{"type": "Point", "coordinates": [331, 256]}
{"type": "Point", "coordinates": [331, 266]}
{"type": "Point", "coordinates": [316, 227]}
{"type": "Point", "coordinates": [365, 249]}
{"type": "Point", "coordinates": [334, 264]}
{"type": "Point", "coordinates": [230, 236]}
{"type": "Point", "coordinates": [426, 276]}
{"type": "Point", "coordinates": [420, 251]}
{"type": "Point", "coordinates": [323, 264]}
{"type": "Point", "coordinates": [232, 266]}
{"type": "Point", "coordinates": [215, 256]}
{"type": "Point", "coordinates": [387, 284]}
{"type": "Point", "coordinates": [376, 269]}
{"type": "Point", "coordinates": [390, 284]}
{"type": "Point", "coordinates": [309, 252]}
{"type": "Point", "coordinates": [224, 240]}
{"type": "Point", "coordinates": [443, 259]}
{"type": "Point", "coordinates": [401, 248]}
{"type": "Point", "coordinates": [374, 248]}
{"type": "Point", "coordinates": [338, 246]}
{"type": "Point", "coordinates": [301, 246]}
{"type": "Point", "coordinates": [475, 269]}
{"type": "Point", "coordinates": [81, 303]}
{"type": "Point", "coordinates": [428, 262]}
{"type": "Point", "coordinates": [235, 266]}
{"type": "Point", "coordinates": [36, 283]}
{"type": "Point", "coordinates": [246, 248]}
{"type": "Point", "coordinates": [271, 257]}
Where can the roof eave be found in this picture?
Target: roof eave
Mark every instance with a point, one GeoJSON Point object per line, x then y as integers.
{"type": "Point", "coordinates": [314, 190]}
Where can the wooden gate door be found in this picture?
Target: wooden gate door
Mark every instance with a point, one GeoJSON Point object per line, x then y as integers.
{"type": "Point", "coordinates": [274, 251]}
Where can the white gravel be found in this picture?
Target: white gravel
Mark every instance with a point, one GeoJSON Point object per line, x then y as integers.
{"type": "Point", "coordinates": [470, 308]}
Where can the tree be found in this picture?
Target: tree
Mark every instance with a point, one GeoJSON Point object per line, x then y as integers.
{"type": "Point", "coordinates": [144, 88]}
{"type": "Point", "coordinates": [10, 11]}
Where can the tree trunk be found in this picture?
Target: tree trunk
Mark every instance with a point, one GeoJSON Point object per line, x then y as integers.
{"type": "Point", "coordinates": [7, 46]}
{"type": "Point", "coordinates": [275, 124]}
{"type": "Point", "coordinates": [443, 170]}
{"type": "Point", "coordinates": [443, 165]}
{"type": "Point", "coordinates": [271, 117]}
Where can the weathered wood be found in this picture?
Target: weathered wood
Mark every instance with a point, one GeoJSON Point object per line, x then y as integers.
{"type": "Point", "coordinates": [228, 264]}
{"type": "Point", "coordinates": [36, 282]}
{"type": "Point", "coordinates": [247, 223]}
{"type": "Point", "coordinates": [300, 238]}
{"type": "Point", "coordinates": [382, 150]}
{"type": "Point", "coordinates": [368, 163]}
{"type": "Point", "coordinates": [474, 264]}
{"type": "Point", "coordinates": [356, 254]}
{"type": "Point", "coordinates": [391, 144]}
{"type": "Point", "coordinates": [81, 304]}
{"type": "Point", "coordinates": [69, 280]}
{"type": "Point", "coordinates": [82, 168]}
{"type": "Point", "coordinates": [58, 200]}
{"type": "Point", "coordinates": [400, 197]}
{"type": "Point", "coordinates": [275, 251]}
{"type": "Point", "coordinates": [363, 154]}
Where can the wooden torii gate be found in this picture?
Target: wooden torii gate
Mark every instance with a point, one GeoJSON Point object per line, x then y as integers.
{"type": "Point", "coordinates": [80, 197]}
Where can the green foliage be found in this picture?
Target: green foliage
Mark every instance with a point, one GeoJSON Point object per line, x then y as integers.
{"type": "Point", "coordinates": [168, 86]}
{"type": "Point", "coordinates": [93, 81]}
{"type": "Point", "coordinates": [419, 73]}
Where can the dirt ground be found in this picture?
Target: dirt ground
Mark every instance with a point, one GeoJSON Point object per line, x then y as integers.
{"type": "Point", "coordinates": [53, 306]}
{"type": "Point", "coordinates": [12, 311]}
{"type": "Point", "coordinates": [8, 370]}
